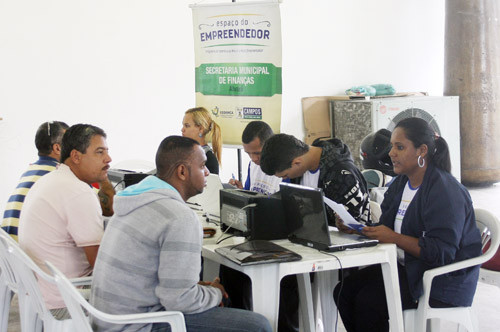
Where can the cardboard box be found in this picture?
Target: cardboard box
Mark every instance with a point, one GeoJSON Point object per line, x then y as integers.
{"type": "Point", "coordinates": [316, 112]}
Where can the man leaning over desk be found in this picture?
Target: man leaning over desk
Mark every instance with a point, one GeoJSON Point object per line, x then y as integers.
{"type": "Point", "coordinates": [325, 164]}
{"type": "Point", "coordinates": [238, 284]}
{"type": "Point", "coordinates": [254, 136]}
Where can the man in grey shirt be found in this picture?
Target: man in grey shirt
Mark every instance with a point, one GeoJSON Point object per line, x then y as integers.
{"type": "Point", "coordinates": [149, 259]}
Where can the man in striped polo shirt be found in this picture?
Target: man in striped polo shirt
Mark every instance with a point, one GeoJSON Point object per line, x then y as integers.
{"type": "Point", "coordinates": [48, 143]}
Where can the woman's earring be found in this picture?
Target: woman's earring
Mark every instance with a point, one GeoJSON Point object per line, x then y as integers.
{"type": "Point", "coordinates": [200, 135]}
{"type": "Point", "coordinates": [420, 161]}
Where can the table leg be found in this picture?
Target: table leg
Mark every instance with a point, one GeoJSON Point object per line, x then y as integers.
{"type": "Point", "coordinates": [266, 291]}
{"type": "Point", "coordinates": [306, 303]}
{"type": "Point", "coordinates": [324, 283]}
{"type": "Point", "coordinates": [392, 293]}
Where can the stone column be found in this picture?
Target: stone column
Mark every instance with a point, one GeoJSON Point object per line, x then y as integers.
{"type": "Point", "coordinates": [472, 71]}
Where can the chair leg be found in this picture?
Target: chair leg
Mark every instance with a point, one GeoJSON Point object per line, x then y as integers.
{"type": "Point", "coordinates": [409, 316]}
{"type": "Point", "coordinates": [474, 322]}
{"type": "Point", "coordinates": [28, 317]}
{"type": "Point", "coordinates": [433, 325]}
{"type": "Point", "coordinates": [470, 324]}
{"type": "Point", "coordinates": [5, 299]}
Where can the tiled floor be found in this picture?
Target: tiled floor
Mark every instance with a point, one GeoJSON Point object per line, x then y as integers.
{"type": "Point", "coordinates": [487, 299]}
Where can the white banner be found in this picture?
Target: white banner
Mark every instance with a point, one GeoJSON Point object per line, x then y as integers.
{"type": "Point", "coordinates": [238, 64]}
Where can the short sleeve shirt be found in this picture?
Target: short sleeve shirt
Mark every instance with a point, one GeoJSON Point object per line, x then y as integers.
{"type": "Point", "coordinates": [61, 215]}
{"type": "Point", "coordinates": [260, 182]}
{"type": "Point", "coordinates": [408, 194]}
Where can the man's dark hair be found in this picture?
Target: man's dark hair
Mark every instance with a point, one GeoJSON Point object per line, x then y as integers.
{"type": "Point", "coordinates": [279, 151]}
{"type": "Point", "coordinates": [78, 137]}
{"type": "Point", "coordinates": [48, 134]}
{"type": "Point", "coordinates": [255, 129]}
{"type": "Point", "coordinates": [172, 152]}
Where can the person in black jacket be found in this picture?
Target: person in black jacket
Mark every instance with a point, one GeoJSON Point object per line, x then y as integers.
{"type": "Point", "coordinates": [326, 164]}
{"type": "Point", "coordinates": [429, 215]}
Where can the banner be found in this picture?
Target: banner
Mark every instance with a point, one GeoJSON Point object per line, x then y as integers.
{"type": "Point", "coordinates": [238, 64]}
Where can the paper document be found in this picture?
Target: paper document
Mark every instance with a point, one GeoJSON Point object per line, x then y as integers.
{"type": "Point", "coordinates": [346, 217]}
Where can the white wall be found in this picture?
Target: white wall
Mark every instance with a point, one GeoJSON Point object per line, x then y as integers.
{"type": "Point", "coordinates": [127, 66]}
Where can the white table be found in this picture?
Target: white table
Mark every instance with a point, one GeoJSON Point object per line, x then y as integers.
{"type": "Point", "coordinates": [266, 280]}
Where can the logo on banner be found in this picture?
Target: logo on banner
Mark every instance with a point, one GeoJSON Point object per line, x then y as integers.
{"type": "Point", "coordinates": [215, 111]}
{"type": "Point", "coordinates": [253, 113]}
{"type": "Point", "coordinates": [226, 114]}
{"type": "Point", "coordinates": [249, 113]}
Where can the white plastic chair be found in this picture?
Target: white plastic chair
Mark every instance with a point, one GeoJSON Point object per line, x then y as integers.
{"type": "Point", "coordinates": [75, 301]}
{"type": "Point", "coordinates": [489, 277]}
{"type": "Point", "coordinates": [375, 211]}
{"type": "Point", "coordinates": [6, 294]}
{"type": "Point", "coordinates": [416, 320]}
{"type": "Point", "coordinates": [8, 285]}
{"type": "Point", "coordinates": [35, 316]}
{"type": "Point", "coordinates": [374, 178]}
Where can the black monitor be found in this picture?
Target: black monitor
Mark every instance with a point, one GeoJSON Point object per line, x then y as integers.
{"type": "Point", "coordinates": [125, 178]}
{"type": "Point", "coordinates": [251, 214]}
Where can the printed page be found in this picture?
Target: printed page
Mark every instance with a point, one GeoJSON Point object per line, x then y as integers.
{"type": "Point", "coordinates": [346, 217]}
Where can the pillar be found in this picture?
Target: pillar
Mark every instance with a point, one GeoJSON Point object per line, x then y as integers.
{"type": "Point", "coordinates": [472, 72]}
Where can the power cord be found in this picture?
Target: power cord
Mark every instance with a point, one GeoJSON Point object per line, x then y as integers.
{"type": "Point", "coordinates": [119, 182]}
{"type": "Point", "coordinates": [341, 270]}
{"type": "Point", "coordinates": [213, 221]}
{"type": "Point", "coordinates": [219, 240]}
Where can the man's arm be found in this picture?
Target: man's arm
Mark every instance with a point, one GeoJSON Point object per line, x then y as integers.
{"type": "Point", "coordinates": [343, 187]}
{"type": "Point", "coordinates": [106, 194]}
{"type": "Point", "coordinates": [180, 242]}
{"type": "Point", "coordinates": [91, 253]}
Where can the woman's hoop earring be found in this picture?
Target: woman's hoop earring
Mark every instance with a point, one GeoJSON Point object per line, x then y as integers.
{"type": "Point", "coordinates": [420, 161]}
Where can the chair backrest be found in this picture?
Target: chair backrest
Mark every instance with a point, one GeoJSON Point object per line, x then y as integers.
{"type": "Point", "coordinates": [73, 299]}
{"type": "Point", "coordinates": [489, 226]}
{"type": "Point", "coordinates": [7, 275]}
{"type": "Point", "coordinates": [75, 302]}
{"type": "Point", "coordinates": [374, 178]}
{"type": "Point", "coordinates": [375, 211]}
{"type": "Point", "coordinates": [8, 284]}
{"type": "Point", "coordinates": [23, 270]}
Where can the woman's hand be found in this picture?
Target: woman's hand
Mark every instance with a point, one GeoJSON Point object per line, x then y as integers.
{"type": "Point", "coordinates": [381, 233]}
{"type": "Point", "coordinates": [343, 228]}
{"type": "Point", "coordinates": [386, 235]}
{"type": "Point", "coordinates": [339, 223]}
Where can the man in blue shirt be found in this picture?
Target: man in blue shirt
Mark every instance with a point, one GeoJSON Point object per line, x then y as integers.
{"type": "Point", "coordinates": [254, 136]}
{"type": "Point", "coordinates": [48, 143]}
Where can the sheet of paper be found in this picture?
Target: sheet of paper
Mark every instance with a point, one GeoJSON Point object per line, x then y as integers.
{"type": "Point", "coordinates": [346, 217]}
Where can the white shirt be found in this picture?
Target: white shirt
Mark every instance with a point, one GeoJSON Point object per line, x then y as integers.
{"type": "Point", "coordinates": [61, 214]}
{"type": "Point", "coordinates": [310, 179]}
{"type": "Point", "coordinates": [261, 182]}
{"type": "Point", "coordinates": [406, 199]}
